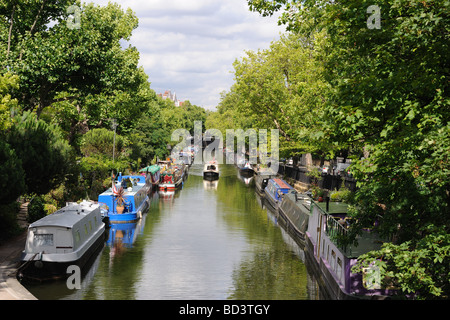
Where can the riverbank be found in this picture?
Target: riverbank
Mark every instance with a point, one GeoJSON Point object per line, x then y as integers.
{"type": "Point", "coordinates": [10, 287]}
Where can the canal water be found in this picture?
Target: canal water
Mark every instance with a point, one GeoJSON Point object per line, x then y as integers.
{"type": "Point", "coordinates": [209, 240]}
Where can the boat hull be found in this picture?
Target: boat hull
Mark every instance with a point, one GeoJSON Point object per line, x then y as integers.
{"type": "Point", "coordinates": [210, 175]}
{"type": "Point", "coordinates": [245, 172]}
{"type": "Point", "coordinates": [129, 217]}
{"type": "Point", "coordinates": [46, 268]}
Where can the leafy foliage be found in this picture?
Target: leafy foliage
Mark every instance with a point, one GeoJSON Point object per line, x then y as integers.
{"type": "Point", "coordinates": [12, 182]}
{"type": "Point", "coordinates": [44, 153]}
{"type": "Point", "coordinates": [421, 269]}
{"type": "Point", "coordinates": [389, 98]}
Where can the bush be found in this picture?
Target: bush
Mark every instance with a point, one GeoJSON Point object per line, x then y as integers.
{"type": "Point", "coordinates": [12, 182]}
{"type": "Point", "coordinates": [36, 209]}
{"type": "Point", "coordinates": [8, 220]}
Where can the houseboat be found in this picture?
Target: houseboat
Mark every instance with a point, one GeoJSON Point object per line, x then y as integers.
{"type": "Point", "coordinates": [261, 180]}
{"type": "Point", "coordinates": [331, 262]}
{"type": "Point", "coordinates": [294, 213]}
{"type": "Point", "coordinates": [69, 236]}
{"type": "Point", "coordinates": [211, 171]}
{"type": "Point", "coordinates": [172, 176]}
{"type": "Point", "coordinates": [275, 190]}
{"type": "Point", "coordinates": [153, 173]}
{"type": "Point", "coordinates": [127, 199]}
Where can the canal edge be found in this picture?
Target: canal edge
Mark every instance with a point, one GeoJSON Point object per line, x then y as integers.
{"type": "Point", "coordinates": [10, 287]}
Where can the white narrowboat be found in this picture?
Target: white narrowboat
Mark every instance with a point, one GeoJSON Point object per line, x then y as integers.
{"type": "Point", "coordinates": [211, 171]}
{"type": "Point", "coordinates": [70, 236]}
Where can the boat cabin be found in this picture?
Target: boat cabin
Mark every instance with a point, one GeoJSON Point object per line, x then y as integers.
{"type": "Point", "coordinates": [275, 190]}
{"type": "Point", "coordinates": [334, 261]}
{"type": "Point", "coordinates": [64, 231]}
{"type": "Point", "coordinates": [136, 193]}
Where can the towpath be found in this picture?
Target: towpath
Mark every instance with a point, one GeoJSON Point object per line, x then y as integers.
{"type": "Point", "coordinates": [10, 288]}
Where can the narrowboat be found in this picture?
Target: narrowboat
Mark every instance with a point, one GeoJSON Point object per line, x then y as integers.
{"type": "Point", "coordinates": [246, 169]}
{"type": "Point", "coordinates": [332, 263]}
{"type": "Point", "coordinates": [211, 171]}
{"type": "Point", "coordinates": [261, 180]}
{"type": "Point", "coordinates": [294, 213]}
{"type": "Point", "coordinates": [127, 199]}
{"type": "Point", "coordinates": [69, 236]}
{"type": "Point", "coordinates": [153, 173]}
{"type": "Point", "coordinates": [172, 176]}
{"type": "Point", "coordinates": [275, 190]}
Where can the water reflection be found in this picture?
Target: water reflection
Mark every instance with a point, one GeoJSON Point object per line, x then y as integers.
{"type": "Point", "coordinates": [197, 244]}
{"type": "Point", "coordinates": [210, 185]}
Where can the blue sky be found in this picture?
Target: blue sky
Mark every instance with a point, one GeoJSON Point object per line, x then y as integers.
{"type": "Point", "coordinates": [189, 46]}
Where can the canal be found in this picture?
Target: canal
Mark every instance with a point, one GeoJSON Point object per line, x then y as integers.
{"type": "Point", "coordinates": [209, 240]}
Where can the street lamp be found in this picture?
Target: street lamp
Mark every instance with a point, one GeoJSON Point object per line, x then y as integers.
{"type": "Point", "coordinates": [114, 126]}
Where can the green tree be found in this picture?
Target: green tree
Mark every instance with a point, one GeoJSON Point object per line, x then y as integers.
{"type": "Point", "coordinates": [284, 88]}
{"type": "Point", "coordinates": [45, 156]}
{"type": "Point", "coordinates": [390, 98]}
{"type": "Point", "coordinates": [12, 173]}
{"type": "Point", "coordinates": [8, 83]}
{"type": "Point", "coordinates": [81, 76]}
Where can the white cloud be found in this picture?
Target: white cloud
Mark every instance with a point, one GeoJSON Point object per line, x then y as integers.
{"type": "Point", "coordinates": [189, 46]}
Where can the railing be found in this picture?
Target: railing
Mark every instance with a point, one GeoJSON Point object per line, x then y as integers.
{"type": "Point", "coordinates": [326, 181]}
{"type": "Point", "coordinates": [335, 227]}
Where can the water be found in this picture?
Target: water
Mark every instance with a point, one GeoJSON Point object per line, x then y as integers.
{"type": "Point", "coordinates": [211, 240]}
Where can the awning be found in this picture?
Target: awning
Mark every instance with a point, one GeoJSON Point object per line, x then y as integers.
{"type": "Point", "coordinates": [152, 169]}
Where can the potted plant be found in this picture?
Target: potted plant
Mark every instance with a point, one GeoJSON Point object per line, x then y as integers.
{"type": "Point", "coordinates": [120, 200]}
{"type": "Point", "coordinates": [320, 195]}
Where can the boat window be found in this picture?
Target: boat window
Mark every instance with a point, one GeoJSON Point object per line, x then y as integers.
{"type": "Point", "coordinates": [95, 220]}
{"type": "Point", "coordinates": [85, 229]}
{"type": "Point", "coordinates": [90, 225]}
{"type": "Point", "coordinates": [41, 240]}
{"type": "Point", "coordinates": [77, 236]}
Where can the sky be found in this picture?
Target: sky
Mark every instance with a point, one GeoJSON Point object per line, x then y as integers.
{"type": "Point", "coordinates": [189, 46]}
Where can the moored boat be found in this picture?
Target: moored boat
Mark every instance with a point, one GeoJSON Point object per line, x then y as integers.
{"type": "Point", "coordinates": [294, 213]}
{"type": "Point", "coordinates": [69, 236]}
{"type": "Point", "coordinates": [261, 180]}
{"type": "Point", "coordinates": [153, 173]}
{"type": "Point", "coordinates": [275, 190]}
{"type": "Point", "coordinates": [127, 199]}
{"type": "Point", "coordinates": [332, 263]}
{"type": "Point", "coordinates": [246, 169]}
{"type": "Point", "coordinates": [172, 176]}
{"type": "Point", "coordinates": [211, 171]}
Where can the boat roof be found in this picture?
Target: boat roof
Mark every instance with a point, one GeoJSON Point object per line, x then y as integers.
{"type": "Point", "coordinates": [152, 169]}
{"type": "Point", "coordinates": [281, 183]}
{"type": "Point", "coordinates": [68, 216]}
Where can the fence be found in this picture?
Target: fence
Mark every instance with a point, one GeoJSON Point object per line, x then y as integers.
{"type": "Point", "coordinates": [327, 181]}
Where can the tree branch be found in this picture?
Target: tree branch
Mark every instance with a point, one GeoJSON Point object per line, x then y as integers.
{"type": "Point", "coordinates": [37, 17]}
{"type": "Point", "coordinates": [10, 30]}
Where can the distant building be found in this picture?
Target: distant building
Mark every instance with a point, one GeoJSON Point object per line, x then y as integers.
{"type": "Point", "coordinates": [172, 96]}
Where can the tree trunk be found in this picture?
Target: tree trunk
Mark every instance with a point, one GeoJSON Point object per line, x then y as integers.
{"type": "Point", "coordinates": [10, 30]}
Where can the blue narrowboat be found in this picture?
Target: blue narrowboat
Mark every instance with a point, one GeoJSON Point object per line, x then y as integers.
{"type": "Point", "coordinates": [274, 190]}
{"type": "Point", "coordinates": [127, 199]}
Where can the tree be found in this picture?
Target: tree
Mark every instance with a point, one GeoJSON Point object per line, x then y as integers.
{"type": "Point", "coordinates": [45, 156]}
{"type": "Point", "coordinates": [150, 135]}
{"type": "Point", "coordinates": [12, 173]}
{"type": "Point", "coordinates": [390, 97]}
{"type": "Point", "coordinates": [284, 88]}
{"type": "Point", "coordinates": [82, 76]}
{"type": "Point", "coordinates": [8, 83]}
